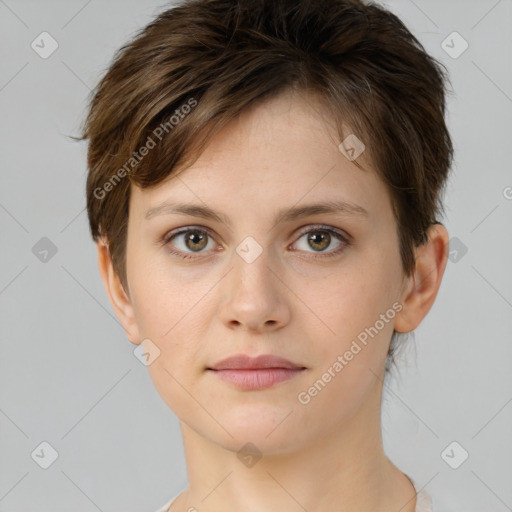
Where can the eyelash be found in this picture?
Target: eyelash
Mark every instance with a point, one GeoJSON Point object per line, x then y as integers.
{"type": "Point", "coordinates": [346, 241]}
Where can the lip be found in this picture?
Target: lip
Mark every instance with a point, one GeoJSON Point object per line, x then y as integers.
{"type": "Point", "coordinates": [253, 380]}
{"type": "Point", "coordinates": [264, 361]}
{"type": "Point", "coordinates": [255, 373]}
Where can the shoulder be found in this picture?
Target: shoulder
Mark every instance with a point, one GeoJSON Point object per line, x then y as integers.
{"type": "Point", "coordinates": [423, 502]}
{"type": "Point", "coordinates": [423, 499]}
{"type": "Point", "coordinates": [165, 506]}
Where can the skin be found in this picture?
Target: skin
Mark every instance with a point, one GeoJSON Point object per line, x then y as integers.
{"type": "Point", "coordinates": [326, 455]}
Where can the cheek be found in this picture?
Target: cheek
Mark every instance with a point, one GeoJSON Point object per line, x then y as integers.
{"type": "Point", "coordinates": [359, 310]}
{"type": "Point", "coordinates": [163, 296]}
{"type": "Point", "coordinates": [153, 306]}
{"type": "Point", "coordinates": [169, 310]}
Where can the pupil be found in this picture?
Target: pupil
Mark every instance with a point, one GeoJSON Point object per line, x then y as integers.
{"type": "Point", "coordinates": [325, 237]}
{"type": "Point", "coordinates": [196, 238]}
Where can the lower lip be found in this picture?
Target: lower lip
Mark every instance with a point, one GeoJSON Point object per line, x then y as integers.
{"type": "Point", "coordinates": [257, 379]}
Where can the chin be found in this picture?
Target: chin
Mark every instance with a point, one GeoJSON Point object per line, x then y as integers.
{"type": "Point", "coordinates": [257, 443]}
{"type": "Point", "coordinates": [268, 434]}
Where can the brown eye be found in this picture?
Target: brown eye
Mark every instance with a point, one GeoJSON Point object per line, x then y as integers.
{"type": "Point", "coordinates": [187, 241]}
{"type": "Point", "coordinates": [196, 240]}
{"type": "Point", "coordinates": [319, 240]}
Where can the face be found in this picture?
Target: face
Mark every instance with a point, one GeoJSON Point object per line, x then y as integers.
{"type": "Point", "coordinates": [308, 287]}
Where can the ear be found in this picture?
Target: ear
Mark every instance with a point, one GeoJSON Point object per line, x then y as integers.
{"type": "Point", "coordinates": [420, 289]}
{"type": "Point", "coordinates": [119, 299]}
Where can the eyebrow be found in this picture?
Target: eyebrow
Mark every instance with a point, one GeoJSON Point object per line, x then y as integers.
{"type": "Point", "coordinates": [283, 215]}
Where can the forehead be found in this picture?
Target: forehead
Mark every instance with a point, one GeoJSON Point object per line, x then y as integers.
{"type": "Point", "coordinates": [281, 152]}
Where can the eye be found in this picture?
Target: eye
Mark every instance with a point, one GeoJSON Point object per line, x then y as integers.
{"type": "Point", "coordinates": [320, 238]}
{"type": "Point", "coordinates": [189, 239]}
{"type": "Point", "coordinates": [198, 240]}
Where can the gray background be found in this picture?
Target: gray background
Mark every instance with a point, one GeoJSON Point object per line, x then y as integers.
{"type": "Point", "coordinates": [69, 377]}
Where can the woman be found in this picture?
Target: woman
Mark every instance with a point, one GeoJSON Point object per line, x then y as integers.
{"type": "Point", "coordinates": [264, 181]}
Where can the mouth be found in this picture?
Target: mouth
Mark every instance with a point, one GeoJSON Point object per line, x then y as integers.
{"type": "Point", "coordinates": [255, 373]}
{"type": "Point", "coordinates": [256, 379]}
{"type": "Point", "coordinates": [245, 362]}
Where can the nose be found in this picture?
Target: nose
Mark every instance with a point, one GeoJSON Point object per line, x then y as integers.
{"type": "Point", "coordinates": [253, 296]}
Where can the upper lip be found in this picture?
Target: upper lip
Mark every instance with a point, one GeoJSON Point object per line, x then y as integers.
{"type": "Point", "coordinates": [244, 362]}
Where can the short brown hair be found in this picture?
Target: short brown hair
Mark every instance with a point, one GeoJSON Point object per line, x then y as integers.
{"type": "Point", "coordinates": [373, 75]}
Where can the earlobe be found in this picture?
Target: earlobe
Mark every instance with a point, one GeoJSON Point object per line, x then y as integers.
{"type": "Point", "coordinates": [422, 287]}
{"type": "Point", "coordinates": [117, 296]}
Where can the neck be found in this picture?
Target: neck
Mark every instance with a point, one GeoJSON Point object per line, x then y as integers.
{"type": "Point", "coordinates": [345, 469]}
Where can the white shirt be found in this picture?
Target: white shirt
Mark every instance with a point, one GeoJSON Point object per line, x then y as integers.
{"type": "Point", "coordinates": [423, 501]}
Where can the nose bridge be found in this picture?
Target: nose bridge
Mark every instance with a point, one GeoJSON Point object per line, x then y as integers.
{"type": "Point", "coordinates": [252, 268]}
{"type": "Point", "coordinates": [251, 293]}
